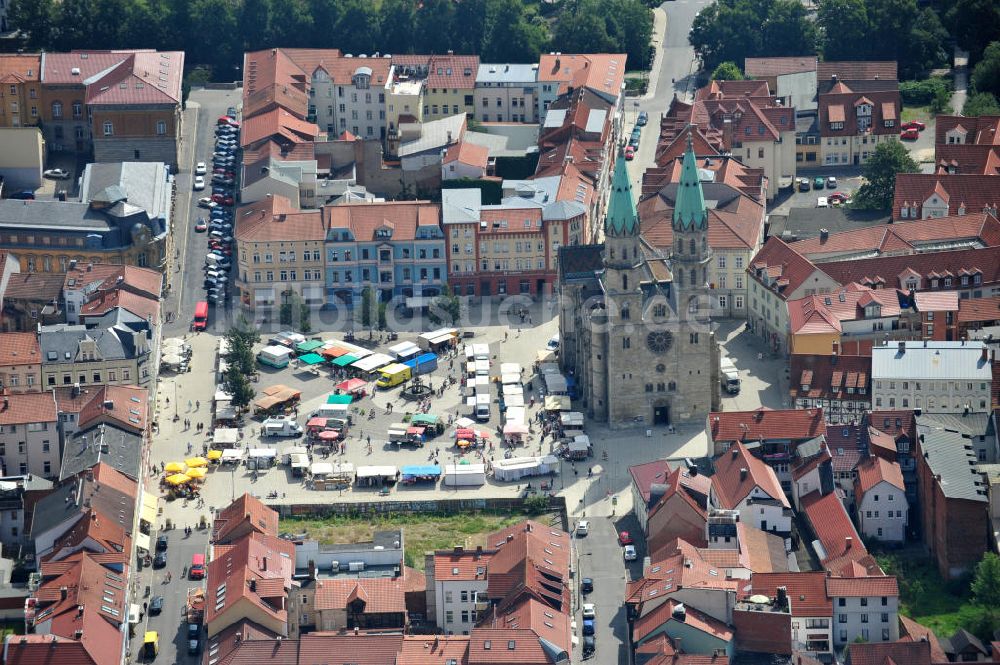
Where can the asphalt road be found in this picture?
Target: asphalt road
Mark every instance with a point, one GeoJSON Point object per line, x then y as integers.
{"type": "Point", "coordinates": [187, 276]}
{"type": "Point", "coordinates": [600, 558]}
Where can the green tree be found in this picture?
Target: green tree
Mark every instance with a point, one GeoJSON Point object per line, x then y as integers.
{"type": "Point", "coordinates": [305, 319]}
{"type": "Point", "coordinates": [241, 339]}
{"type": "Point", "coordinates": [358, 27]}
{"type": "Point", "coordinates": [843, 27]}
{"type": "Point", "coordinates": [253, 22]}
{"type": "Point", "coordinates": [981, 103]}
{"type": "Point", "coordinates": [369, 307]}
{"type": "Point", "coordinates": [434, 22]}
{"type": "Point", "coordinates": [727, 71]}
{"type": "Point", "coordinates": [788, 29]}
{"type": "Point", "coordinates": [581, 28]}
{"type": "Point", "coordinates": [720, 31]}
{"type": "Point", "coordinates": [975, 23]}
{"type": "Point", "coordinates": [36, 21]}
{"type": "Point", "coordinates": [396, 19]}
{"type": "Point", "coordinates": [238, 385]}
{"type": "Point", "coordinates": [986, 73]}
{"type": "Point", "coordinates": [382, 308]}
{"type": "Point", "coordinates": [632, 31]}
{"type": "Point", "coordinates": [446, 307]}
{"type": "Point", "coordinates": [513, 35]}
{"type": "Point", "coordinates": [986, 582]}
{"type": "Point", "coordinates": [880, 175]}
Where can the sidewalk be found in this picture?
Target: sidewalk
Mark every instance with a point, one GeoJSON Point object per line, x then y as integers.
{"type": "Point", "coordinates": [659, 34]}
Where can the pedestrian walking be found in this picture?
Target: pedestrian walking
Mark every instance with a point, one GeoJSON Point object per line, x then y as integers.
{"type": "Point", "coordinates": [197, 404]}
{"type": "Point", "coordinates": [189, 405]}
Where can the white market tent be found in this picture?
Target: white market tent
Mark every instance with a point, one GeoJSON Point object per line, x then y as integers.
{"type": "Point", "coordinates": [262, 453]}
{"type": "Point", "coordinates": [404, 350]}
{"type": "Point", "coordinates": [571, 419]}
{"type": "Point", "coordinates": [510, 389]}
{"type": "Point", "coordinates": [516, 468]}
{"type": "Point", "coordinates": [225, 437]}
{"type": "Point", "coordinates": [464, 474]}
{"type": "Point", "coordinates": [372, 362]}
{"type": "Point", "coordinates": [513, 400]}
{"type": "Point", "coordinates": [557, 403]}
{"type": "Point", "coordinates": [232, 455]}
{"type": "Point", "coordinates": [515, 414]}
{"type": "Point", "coordinates": [555, 384]}
{"type": "Point", "coordinates": [579, 444]}
{"type": "Point", "coordinates": [510, 368]}
{"type": "Point", "coordinates": [321, 468]}
{"type": "Point", "coordinates": [510, 379]}
{"type": "Point", "coordinates": [376, 472]}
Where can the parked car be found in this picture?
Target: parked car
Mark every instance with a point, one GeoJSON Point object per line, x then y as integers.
{"type": "Point", "coordinates": [588, 611]}
{"type": "Point", "coordinates": [56, 174]}
{"type": "Point", "coordinates": [199, 183]}
{"type": "Point", "coordinates": [629, 153]}
{"type": "Point", "coordinates": [624, 538]}
{"type": "Point", "coordinates": [155, 605]}
{"type": "Point", "coordinates": [588, 627]}
{"type": "Point", "coordinates": [200, 168]}
{"type": "Point", "coordinates": [909, 135]}
{"type": "Point", "coordinates": [819, 182]}
{"type": "Point", "coordinates": [821, 202]}
{"type": "Point", "coordinates": [803, 184]}
{"type": "Point", "coordinates": [200, 226]}
{"type": "Point", "coordinates": [642, 119]}
{"type": "Point", "coordinates": [25, 195]}
{"type": "Point", "coordinates": [162, 543]}
{"type": "Point", "coordinates": [226, 120]}
{"type": "Point", "coordinates": [914, 124]}
{"type": "Point", "coordinates": [231, 112]}
{"type": "Point", "coordinates": [160, 560]}
{"type": "Point", "coordinates": [589, 646]}
{"type": "Point", "coordinates": [582, 528]}
{"type": "Point", "coordinates": [837, 198]}
{"type": "Point", "coordinates": [831, 183]}
{"type": "Point", "coordinates": [629, 553]}
{"type": "Point", "coordinates": [586, 585]}
{"type": "Point", "coordinates": [206, 202]}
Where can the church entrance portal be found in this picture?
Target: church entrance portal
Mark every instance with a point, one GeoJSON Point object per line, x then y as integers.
{"type": "Point", "coordinates": [661, 415]}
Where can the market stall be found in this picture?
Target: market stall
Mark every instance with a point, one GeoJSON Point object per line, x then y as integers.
{"type": "Point", "coordinates": [261, 458]}
{"type": "Point", "coordinates": [516, 468]}
{"type": "Point", "coordinates": [510, 379]}
{"type": "Point", "coordinates": [404, 351]}
{"type": "Point", "coordinates": [308, 346]}
{"type": "Point", "coordinates": [275, 399]}
{"type": "Point", "coordinates": [515, 414]}
{"type": "Point", "coordinates": [555, 384]}
{"type": "Point", "coordinates": [557, 403]}
{"type": "Point", "coordinates": [571, 418]}
{"type": "Point", "coordinates": [225, 437]}
{"type": "Point", "coordinates": [299, 463]}
{"type": "Point", "coordinates": [355, 386]}
{"type": "Point", "coordinates": [375, 476]}
{"type": "Point", "coordinates": [231, 456]}
{"type": "Point", "coordinates": [431, 422]}
{"type": "Point", "coordinates": [464, 475]}
{"type": "Point", "coordinates": [312, 359]}
{"type": "Point", "coordinates": [420, 474]}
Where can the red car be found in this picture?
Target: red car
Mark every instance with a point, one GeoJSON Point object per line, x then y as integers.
{"type": "Point", "coordinates": [624, 538]}
{"type": "Point", "coordinates": [838, 196]}
{"type": "Point", "coordinates": [914, 124]}
{"type": "Point", "coordinates": [629, 153]}
{"type": "Point", "coordinates": [201, 226]}
{"type": "Point", "coordinates": [909, 135]}
{"type": "Point", "coordinates": [226, 120]}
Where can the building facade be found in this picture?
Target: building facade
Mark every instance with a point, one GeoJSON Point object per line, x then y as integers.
{"type": "Point", "coordinates": [29, 435]}
{"type": "Point", "coordinates": [20, 362]}
{"type": "Point", "coordinates": [937, 377]}
{"type": "Point", "coordinates": [506, 93]}
{"type": "Point", "coordinates": [880, 497]}
{"type": "Point", "coordinates": [117, 354]}
{"type": "Point", "coordinates": [866, 609]}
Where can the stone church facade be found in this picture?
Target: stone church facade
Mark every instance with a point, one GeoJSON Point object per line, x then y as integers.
{"type": "Point", "coordinates": [634, 322]}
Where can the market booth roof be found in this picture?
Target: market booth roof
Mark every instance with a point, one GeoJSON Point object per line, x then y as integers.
{"type": "Point", "coordinates": [329, 435]}
{"type": "Point", "coordinates": [312, 359]}
{"type": "Point", "coordinates": [175, 467]}
{"type": "Point", "coordinates": [340, 399]}
{"type": "Point", "coordinates": [308, 345]}
{"type": "Point", "coordinates": [178, 479]}
{"type": "Point", "coordinates": [350, 385]}
{"type": "Point", "coordinates": [345, 360]}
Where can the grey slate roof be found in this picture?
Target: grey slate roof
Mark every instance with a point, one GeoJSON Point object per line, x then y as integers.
{"type": "Point", "coordinates": [67, 215]}
{"type": "Point", "coordinates": [102, 443]}
{"type": "Point", "coordinates": [950, 455]}
{"type": "Point", "coordinates": [145, 185]}
{"type": "Point", "coordinates": [580, 262]}
{"type": "Point", "coordinates": [969, 424]}
{"type": "Point", "coordinates": [803, 223]}
{"type": "Point", "coordinates": [502, 73]}
{"type": "Point", "coordinates": [931, 360]}
{"type": "Point", "coordinates": [56, 341]}
{"type": "Point", "coordinates": [73, 497]}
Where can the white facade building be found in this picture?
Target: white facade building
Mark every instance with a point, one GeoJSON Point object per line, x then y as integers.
{"type": "Point", "coordinates": [936, 377]}
{"type": "Point", "coordinates": [865, 608]}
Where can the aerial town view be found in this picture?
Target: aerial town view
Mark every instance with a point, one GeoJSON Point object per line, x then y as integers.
{"type": "Point", "coordinates": [475, 332]}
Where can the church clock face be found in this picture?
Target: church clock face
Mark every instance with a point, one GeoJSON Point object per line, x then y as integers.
{"type": "Point", "coordinates": [659, 342]}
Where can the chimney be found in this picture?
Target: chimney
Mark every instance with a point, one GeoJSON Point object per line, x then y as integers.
{"type": "Point", "coordinates": [743, 474]}
{"type": "Point", "coordinates": [253, 586]}
{"type": "Point", "coordinates": [833, 78]}
{"type": "Point", "coordinates": [63, 592]}
{"type": "Point", "coordinates": [735, 451]}
{"type": "Point", "coordinates": [985, 355]}
{"type": "Point", "coordinates": [901, 346]}
{"type": "Point", "coordinates": [479, 551]}
{"type": "Point", "coordinates": [356, 630]}
{"type": "Point", "coordinates": [449, 137]}
{"type": "Point", "coordinates": [727, 134]}
{"type": "Point", "coordinates": [848, 543]}
{"type": "Point", "coordinates": [558, 60]}
{"type": "Point", "coordinates": [263, 563]}
{"type": "Point", "coordinates": [458, 550]}
{"type": "Point", "coordinates": [79, 610]}
{"type": "Point", "coordinates": [782, 598]}
{"type": "Point", "coordinates": [312, 569]}
{"type": "Point", "coordinates": [824, 235]}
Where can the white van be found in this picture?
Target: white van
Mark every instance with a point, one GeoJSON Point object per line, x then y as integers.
{"type": "Point", "coordinates": [282, 427]}
{"type": "Point", "coordinates": [482, 407]}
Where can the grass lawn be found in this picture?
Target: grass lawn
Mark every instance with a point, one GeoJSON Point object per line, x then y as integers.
{"type": "Point", "coordinates": [421, 532]}
{"type": "Point", "coordinates": [926, 598]}
{"type": "Point", "coordinates": [921, 113]}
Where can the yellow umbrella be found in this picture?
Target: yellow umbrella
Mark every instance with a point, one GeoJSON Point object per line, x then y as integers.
{"type": "Point", "coordinates": [196, 473]}
{"type": "Point", "coordinates": [214, 454]}
{"type": "Point", "coordinates": [178, 479]}
{"type": "Point", "coordinates": [175, 467]}
{"type": "Point", "coordinates": [462, 443]}
{"type": "Point", "coordinates": [195, 462]}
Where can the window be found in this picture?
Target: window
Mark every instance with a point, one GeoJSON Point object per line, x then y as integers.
{"type": "Point", "coordinates": [841, 618]}
{"type": "Point", "coordinates": [449, 616]}
{"type": "Point", "coordinates": [109, 129]}
{"type": "Point", "coordinates": [57, 110]}
{"type": "Point", "coordinates": [161, 127]}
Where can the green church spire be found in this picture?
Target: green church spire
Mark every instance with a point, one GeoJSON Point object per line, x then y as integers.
{"type": "Point", "coordinates": [689, 207]}
{"type": "Point", "coordinates": [622, 218]}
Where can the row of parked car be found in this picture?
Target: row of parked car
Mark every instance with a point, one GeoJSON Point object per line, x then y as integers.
{"type": "Point", "coordinates": [219, 225]}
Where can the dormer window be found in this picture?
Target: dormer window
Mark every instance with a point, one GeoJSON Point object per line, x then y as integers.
{"type": "Point", "coordinates": [947, 282]}
{"type": "Point", "coordinates": [911, 285]}
{"type": "Point", "coordinates": [805, 387]}
{"type": "Point", "coordinates": [890, 123]}
{"type": "Point", "coordinates": [836, 125]}
{"type": "Point", "coordinates": [934, 283]}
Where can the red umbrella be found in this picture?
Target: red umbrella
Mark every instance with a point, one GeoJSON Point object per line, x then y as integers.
{"type": "Point", "coordinates": [329, 435]}
{"type": "Point", "coordinates": [316, 422]}
{"type": "Point", "coordinates": [464, 433]}
{"type": "Point", "coordinates": [350, 384]}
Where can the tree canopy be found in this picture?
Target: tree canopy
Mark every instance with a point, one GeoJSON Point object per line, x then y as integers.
{"type": "Point", "coordinates": [880, 172]}
{"type": "Point", "coordinates": [986, 73]}
{"type": "Point", "coordinates": [981, 103]}
{"type": "Point", "coordinates": [496, 30]}
{"type": "Point", "coordinates": [727, 71]}
{"type": "Point", "coordinates": [975, 23]}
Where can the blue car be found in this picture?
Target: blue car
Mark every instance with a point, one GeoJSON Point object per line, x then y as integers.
{"type": "Point", "coordinates": [588, 626]}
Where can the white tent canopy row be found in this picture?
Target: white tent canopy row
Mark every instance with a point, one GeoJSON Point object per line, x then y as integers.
{"type": "Point", "coordinates": [372, 362]}
{"type": "Point", "coordinates": [225, 437]}
{"type": "Point", "coordinates": [555, 384]}
{"type": "Point", "coordinates": [510, 368]}
{"type": "Point", "coordinates": [571, 419]}
{"type": "Point", "coordinates": [515, 414]}
{"type": "Point", "coordinates": [376, 472]}
{"type": "Point", "coordinates": [509, 389]}
{"type": "Point", "coordinates": [510, 379]}
{"type": "Point", "coordinates": [514, 400]}
{"type": "Point", "coordinates": [515, 468]}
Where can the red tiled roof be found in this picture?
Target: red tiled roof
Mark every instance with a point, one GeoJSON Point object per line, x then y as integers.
{"type": "Point", "coordinates": [34, 287]}
{"type": "Point", "coordinates": [829, 379]}
{"type": "Point", "coordinates": [893, 271]}
{"type": "Point", "coordinates": [766, 67]}
{"type": "Point", "coordinates": [856, 587]}
{"type": "Point", "coordinates": [109, 476]}
{"type": "Point", "coordinates": [90, 277]}
{"type": "Point", "coordinates": [322, 648]}
{"type": "Point", "coordinates": [731, 487]}
{"type": "Point", "coordinates": [271, 78]}
{"type": "Point", "coordinates": [889, 653]}
{"type": "Point", "coordinates": [824, 313]}
{"type": "Point", "coordinates": [978, 310]}
{"type": "Point", "coordinates": [141, 306]}
{"type": "Point", "coordinates": [19, 348]}
{"type": "Point", "coordinates": [973, 192]}
{"type": "Point", "coordinates": [856, 70]}
{"type": "Point", "coordinates": [253, 559]}
{"type": "Point", "coordinates": [721, 89]}
{"type": "Point", "coordinates": [364, 219]}
{"type": "Point", "coordinates": [279, 124]}
{"type": "Point", "coordinates": [126, 405]}
{"type": "Point", "coordinates": [17, 68]}
{"type": "Point", "coordinates": [452, 71]}
{"type": "Point", "coordinates": [976, 226]}
{"type": "Point", "coordinates": [786, 269]}
{"type": "Point", "coordinates": [832, 107]}
{"type": "Point", "coordinates": [127, 76]}
{"type": "Point", "coordinates": [433, 650]}
{"type": "Point", "coordinates": [494, 646]}
{"type": "Point", "coordinates": [465, 152]}
{"type": "Point", "coordinates": [831, 526]}
{"type": "Point", "coordinates": [874, 470]}
{"type": "Point", "coordinates": [274, 218]}
{"type": "Point", "coordinates": [981, 130]}
{"type": "Point", "coordinates": [602, 72]}
{"type": "Point", "coordinates": [764, 424]}
{"type": "Point", "coordinates": [671, 571]}
{"type": "Point", "coordinates": [23, 408]}
{"type": "Point", "coordinates": [380, 594]}
{"type": "Point", "coordinates": [532, 556]}
{"type": "Point", "coordinates": [694, 619]}
{"type": "Point", "coordinates": [465, 565]}
{"type": "Point", "coordinates": [894, 423]}
{"type": "Point", "coordinates": [910, 630]}
{"type": "Point", "coordinates": [967, 158]}
{"type": "Point", "coordinates": [806, 591]}
{"type": "Point", "coordinates": [245, 509]}
{"type": "Point", "coordinates": [95, 533]}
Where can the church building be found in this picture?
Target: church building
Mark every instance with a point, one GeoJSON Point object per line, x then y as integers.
{"type": "Point", "coordinates": [634, 322]}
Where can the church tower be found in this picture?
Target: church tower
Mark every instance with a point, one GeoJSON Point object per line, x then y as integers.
{"type": "Point", "coordinates": [691, 253]}
{"type": "Point", "coordinates": [621, 234]}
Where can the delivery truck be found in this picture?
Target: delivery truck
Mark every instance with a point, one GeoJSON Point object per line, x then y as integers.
{"type": "Point", "coordinates": [285, 427]}
{"type": "Point", "coordinates": [393, 375]}
{"type": "Point", "coordinates": [482, 407]}
{"type": "Point", "coordinates": [274, 356]}
{"type": "Point", "coordinates": [729, 376]}
{"type": "Point", "coordinates": [422, 364]}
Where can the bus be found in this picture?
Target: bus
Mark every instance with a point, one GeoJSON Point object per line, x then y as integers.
{"type": "Point", "coordinates": [201, 315]}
